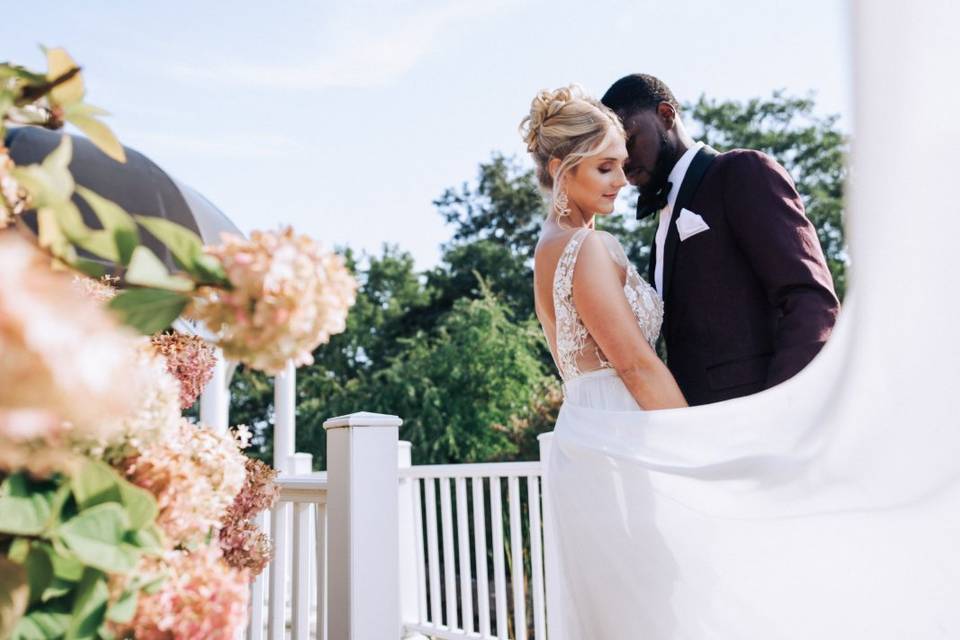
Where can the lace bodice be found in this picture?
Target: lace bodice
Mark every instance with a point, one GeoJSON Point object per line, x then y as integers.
{"type": "Point", "coordinates": [577, 352]}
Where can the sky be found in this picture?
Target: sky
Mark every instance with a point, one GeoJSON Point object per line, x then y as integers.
{"type": "Point", "coordinates": [347, 119]}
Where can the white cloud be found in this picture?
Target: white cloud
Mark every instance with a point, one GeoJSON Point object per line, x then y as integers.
{"type": "Point", "coordinates": [367, 52]}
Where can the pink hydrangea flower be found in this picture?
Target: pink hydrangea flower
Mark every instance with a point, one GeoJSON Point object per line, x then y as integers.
{"type": "Point", "coordinates": [288, 297]}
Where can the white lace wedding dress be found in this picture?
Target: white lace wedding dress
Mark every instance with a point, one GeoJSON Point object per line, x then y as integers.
{"type": "Point", "coordinates": [753, 519]}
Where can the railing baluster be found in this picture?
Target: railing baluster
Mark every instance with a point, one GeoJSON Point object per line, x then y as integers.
{"type": "Point", "coordinates": [301, 567]}
{"type": "Point", "coordinates": [277, 611]}
{"type": "Point", "coordinates": [418, 542]}
{"type": "Point", "coordinates": [433, 554]}
{"type": "Point", "coordinates": [449, 561]}
{"type": "Point", "coordinates": [255, 625]}
{"type": "Point", "coordinates": [516, 544]}
{"type": "Point", "coordinates": [536, 557]}
{"type": "Point", "coordinates": [463, 546]}
{"type": "Point", "coordinates": [499, 573]}
{"type": "Point", "coordinates": [321, 556]}
{"type": "Point", "coordinates": [480, 553]}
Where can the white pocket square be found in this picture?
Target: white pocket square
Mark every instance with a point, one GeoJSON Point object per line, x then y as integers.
{"type": "Point", "coordinates": [690, 224]}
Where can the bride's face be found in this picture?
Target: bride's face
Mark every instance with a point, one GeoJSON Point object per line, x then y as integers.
{"type": "Point", "coordinates": [594, 183]}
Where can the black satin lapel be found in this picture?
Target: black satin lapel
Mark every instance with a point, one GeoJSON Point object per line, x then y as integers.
{"type": "Point", "coordinates": [701, 162]}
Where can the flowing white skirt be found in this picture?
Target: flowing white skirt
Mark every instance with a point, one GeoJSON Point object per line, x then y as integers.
{"type": "Point", "coordinates": [693, 524]}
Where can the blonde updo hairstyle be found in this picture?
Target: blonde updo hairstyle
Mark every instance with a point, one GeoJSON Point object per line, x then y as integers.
{"type": "Point", "coordinates": [566, 124]}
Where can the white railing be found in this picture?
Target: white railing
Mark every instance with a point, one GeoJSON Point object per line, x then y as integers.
{"type": "Point", "coordinates": [459, 604]}
{"type": "Point", "coordinates": [464, 564]}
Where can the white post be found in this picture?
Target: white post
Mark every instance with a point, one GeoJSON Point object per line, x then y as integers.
{"type": "Point", "coordinates": [284, 423]}
{"type": "Point", "coordinates": [363, 529]}
{"type": "Point", "coordinates": [215, 398]}
{"type": "Point", "coordinates": [549, 549]}
{"type": "Point", "coordinates": [409, 572]}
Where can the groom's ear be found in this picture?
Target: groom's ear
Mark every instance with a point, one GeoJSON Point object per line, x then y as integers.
{"type": "Point", "coordinates": [667, 114]}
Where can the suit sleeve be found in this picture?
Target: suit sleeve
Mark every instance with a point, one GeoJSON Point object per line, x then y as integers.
{"type": "Point", "coordinates": [766, 216]}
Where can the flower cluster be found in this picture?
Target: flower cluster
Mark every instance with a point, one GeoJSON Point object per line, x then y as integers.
{"type": "Point", "coordinates": [13, 198]}
{"type": "Point", "coordinates": [189, 359]}
{"type": "Point", "coordinates": [101, 290]}
{"type": "Point", "coordinates": [287, 296]}
{"type": "Point", "coordinates": [60, 378]}
{"type": "Point", "coordinates": [201, 597]}
{"type": "Point", "coordinates": [195, 474]}
{"type": "Point", "coordinates": [244, 546]}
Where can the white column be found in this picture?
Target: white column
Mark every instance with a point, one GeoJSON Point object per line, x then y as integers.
{"type": "Point", "coordinates": [363, 529]}
{"type": "Point", "coordinates": [409, 582]}
{"type": "Point", "coordinates": [215, 398]}
{"type": "Point", "coordinates": [284, 423]}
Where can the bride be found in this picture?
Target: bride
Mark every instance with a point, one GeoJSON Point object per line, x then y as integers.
{"type": "Point", "coordinates": [601, 321]}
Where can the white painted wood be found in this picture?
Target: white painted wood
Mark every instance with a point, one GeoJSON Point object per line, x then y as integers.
{"type": "Point", "coordinates": [449, 562]}
{"type": "Point", "coordinates": [549, 545]}
{"type": "Point", "coordinates": [489, 469]}
{"type": "Point", "coordinates": [363, 527]}
{"type": "Point", "coordinates": [302, 543]}
{"type": "Point", "coordinates": [421, 558]}
{"type": "Point", "coordinates": [433, 551]}
{"type": "Point", "coordinates": [463, 549]}
{"type": "Point", "coordinates": [215, 397]}
{"type": "Point", "coordinates": [516, 552]}
{"type": "Point", "coordinates": [499, 573]}
{"type": "Point", "coordinates": [536, 558]}
{"type": "Point", "coordinates": [284, 422]}
{"type": "Point", "coordinates": [276, 612]}
{"type": "Point", "coordinates": [257, 591]}
{"type": "Point", "coordinates": [480, 553]}
{"type": "Point", "coordinates": [320, 553]}
{"type": "Point", "coordinates": [411, 546]}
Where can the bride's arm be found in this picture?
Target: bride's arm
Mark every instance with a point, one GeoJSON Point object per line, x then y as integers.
{"type": "Point", "coordinates": [603, 307]}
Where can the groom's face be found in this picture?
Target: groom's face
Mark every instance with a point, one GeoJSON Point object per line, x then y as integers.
{"type": "Point", "coordinates": [649, 151]}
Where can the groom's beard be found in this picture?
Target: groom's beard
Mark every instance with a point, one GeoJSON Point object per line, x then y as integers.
{"type": "Point", "coordinates": [661, 171]}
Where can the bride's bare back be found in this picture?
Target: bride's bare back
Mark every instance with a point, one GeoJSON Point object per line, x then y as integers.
{"type": "Point", "coordinates": [596, 312]}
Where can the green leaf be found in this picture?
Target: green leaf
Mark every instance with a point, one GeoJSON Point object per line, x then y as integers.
{"type": "Point", "coordinates": [96, 536]}
{"type": "Point", "coordinates": [90, 606]}
{"type": "Point", "coordinates": [42, 624]}
{"type": "Point", "coordinates": [52, 237]}
{"type": "Point", "coordinates": [95, 483]}
{"type": "Point", "coordinates": [57, 588]}
{"type": "Point", "coordinates": [59, 62]}
{"type": "Point", "coordinates": [14, 595]}
{"type": "Point", "coordinates": [25, 507]}
{"type": "Point", "coordinates": [84, 109]}
{"type": "Point", "coordinates": [149, 310]}
{"type": "Point", "coordinates": [124, 609]}
{"type": "Point", "coordinates": [184, 244]}
{"type": "Point", "coordinates": [39, 572]}
{"type": "Point", "coordinates": [100, 135]}
{"type": "Point", "coordinates": [119, 227]}
{"type": "Point", "coordinates": [149, 539]}
{"type": "Point", "coordinates": [51, 180]}
{"type": "Point", "coordinates": [140, 504]}
{"type": "Point", "coordinates": [147, 270]}
{"type": "Point", "coordinates": [90, 268]}
{"type": "Point", "coordinates": [208, 270]}
{"type": "Point", "coordinates": [66, 566]}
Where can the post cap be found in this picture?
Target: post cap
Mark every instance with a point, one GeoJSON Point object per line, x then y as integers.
{"type": "Point", "coordinates": [363, 419]}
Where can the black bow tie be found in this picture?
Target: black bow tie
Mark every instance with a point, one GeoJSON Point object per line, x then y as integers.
{"type": "Point", "coordinates": [647, 205]}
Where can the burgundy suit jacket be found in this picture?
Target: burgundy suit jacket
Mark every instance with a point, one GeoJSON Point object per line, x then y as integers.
{"type": "Point", "coordinates": [749, 302]}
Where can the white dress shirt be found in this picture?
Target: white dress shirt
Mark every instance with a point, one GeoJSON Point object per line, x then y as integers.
{"type": "Point", "coordinates": [676, 179]}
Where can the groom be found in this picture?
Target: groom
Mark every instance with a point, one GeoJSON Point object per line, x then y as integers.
{"type": "Point", "coordinates": [748, 298]}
